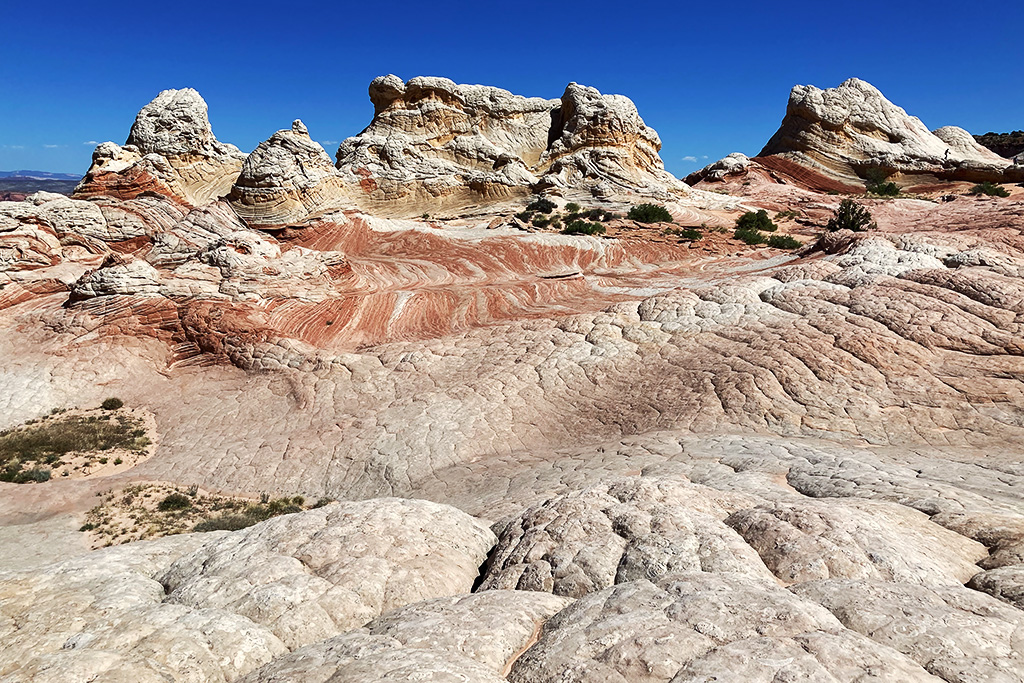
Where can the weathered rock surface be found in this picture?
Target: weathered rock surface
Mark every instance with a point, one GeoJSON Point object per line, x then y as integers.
{"type": "Point", "coordinates": [624, 531]}
{"type": "Point", "coordinates": [865, 540]}
{"type": "Point", "coordinates": [955, 633]}
{"type": "Point", "coordinates": [689, 626]}
{"type": "Point", "coordinates": [468, 637]}
{"type": "Point", "coordinates": [286, 180]}
{"type": "Point", "coordinates": [170, 151]}
{"type": "Point", "coordinates": [845, 131]}
{"type": "Point", "coordinates": [433, 141]}
{"type": "Point", "coordinates": [213, 607]}
{"type": "Point", "coordinates": [316, 574]}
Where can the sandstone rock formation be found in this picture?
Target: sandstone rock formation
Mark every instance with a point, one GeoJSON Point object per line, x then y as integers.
{"type": "Point", "coordinates": [170, 151]}
{"type": "Point", "coordinates": [285, 180]}
{"type": "Point", "coordinates": [844, 132]}
{"type": "Point", "coordinates": [563, 458]}
{"type": "Point", "coordinates": [432, 140]}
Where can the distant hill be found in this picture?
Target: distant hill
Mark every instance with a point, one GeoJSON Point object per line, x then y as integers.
{"type": "Point", "coordinates": [1006, 145]}
{"type": "Point", "coordinates": [16, 185]}
{"type": "Point", "coordinates": [40, 175]}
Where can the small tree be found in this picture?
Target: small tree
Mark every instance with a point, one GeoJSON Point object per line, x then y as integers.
{"type": "Point", "coordinates": [649, 213]}
{"type": "Point", "coordinates": [876, 183]}
{"type": "Point", "coordinates": [583, 228]}
{"type": "Point", "coordinates": [112, 404]}
{"type": "Point", "coordinates": [851, 216]}
{"type": "Point", "coordinates": [756, 221]}
{"type": "Point", "coordinates": [572, 207]}
{"type": "Point", "coordinates": [541, 205]}
{"type": "Point", "coordinates": [989, 189]}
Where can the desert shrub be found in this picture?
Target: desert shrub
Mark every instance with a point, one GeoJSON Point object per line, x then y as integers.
{"type": "Point", "coordinates": [649, 213]}
{"type": "Point", "coordinates": [608, 215]}
{"type": "Point", "coordinates": [756, 220]}
{"type": "Point", "coordinates": [692, 234]}
{"type": "Point", "coordinates": [45, 443]}
{"type": "Point", "coordinates": [525, 216]}
{"type": "Point", "coordinates": [573, 207]}
{"type": "Point", "coordinates": [876, 183]}
{"type": "Point", "coordinates": [750, 236]}
{"type": "Point", "coordinates": [112, 404]}
{"type": "Point", "coordinates": [541, 222]}
{"type": "Point", "coordinates": [594, 214]}
{"type": "Point", "coordinates": [783, 215]}
{"type": "Point", "coordinates": [583, 228]}
{"type": "Point", "coordinates": [989, 189]}
{"type": "Point", "coordinates": [850, 216]}
{"type": "Point", "coordinates": [252, 514]}
{"type": "Point", "coordinates": [173, 502]}
{"type": "Point", "coordinates": [784, 242]}
{"type": "Point", "coordinates": [227, 521]}
{"type": "Point", "coordinates": [541, 205]}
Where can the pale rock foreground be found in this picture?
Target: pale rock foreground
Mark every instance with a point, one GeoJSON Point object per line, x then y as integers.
{"type": "Point", "coordinates": [212, 607]}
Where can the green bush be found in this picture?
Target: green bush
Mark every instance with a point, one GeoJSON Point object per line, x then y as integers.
{"type": "Point", "coordinates": [112, 404]}
{"type": "Point", "coordinates": [573, 207]}
{"type": "Point", "coordinates": [541, 205]}
{"type": "Point", "coordinates": [173, 502]}
{"type": "Point", "coordinates": [525, 216]}
{"type": "Point", "coordinates": [594, 214]}
{"type": "Point", "coordinates": [989, 189]}
{"type": "Point", "coordinates": [875, 183]}
{"type": "Point", "coordinates": [691, 234]}
{"type": "Point", "coordinates": [850, 216]}
{"type": "Point", "coordinates": [649, 213]}
{"type": "Point", "coordinates": [784, 242]}
{"type": "Point", "coordinates": [750, 236]}
{"type": "Point", "coordinates": [583, 228]}
{"type": "Point", "coordinates": [541, 222]}
{"type": "Point", "coordinates": [759, 220]}
{"type": "Point", "coordinates": [608, 215]}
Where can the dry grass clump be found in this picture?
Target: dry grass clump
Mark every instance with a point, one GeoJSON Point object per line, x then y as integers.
{"type": "Point", "coordinates": [31, 452]}
{"type": "Point", "coordinates": [146, 511]}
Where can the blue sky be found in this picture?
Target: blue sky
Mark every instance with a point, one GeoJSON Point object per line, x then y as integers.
{"type": "Point", "coordinates": [710, 77]}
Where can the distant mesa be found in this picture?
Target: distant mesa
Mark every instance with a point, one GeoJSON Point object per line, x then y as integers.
{"type": "Point", "coordinates": [833, 139]}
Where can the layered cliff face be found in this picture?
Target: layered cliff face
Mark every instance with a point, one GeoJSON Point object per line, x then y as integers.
{"type": "Point", "coordinates": [844, 132]}
{"type": "Point", "coordinates": [433, 140]}
{"type": "Point", "coordinates": [171, 150]}
{"type": "Point", "coordinates": [285, 180]}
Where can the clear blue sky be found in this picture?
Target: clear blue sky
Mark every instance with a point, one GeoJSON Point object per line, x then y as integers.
{"type": "Point", "coordinates": [710, 77]}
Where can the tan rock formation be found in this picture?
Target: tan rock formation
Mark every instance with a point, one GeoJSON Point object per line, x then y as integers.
{"type": "Point", "coordinates": [432, 140]}
{"type": "Point", "coordinates": [845, 131]}
{"type": "Point", "coordinates": [170, 151]}
{"type": "Point", "coordinates": [285, 180]}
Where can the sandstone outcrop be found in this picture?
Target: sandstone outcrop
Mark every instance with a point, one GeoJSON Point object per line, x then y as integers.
{"type": "Point", "coordinates": [322, 572]}
{"type": "Point", "coordinates": [432, 140]}
{"type": "Point", "coordinates": [170, 151]}
{"type": "Point", "coordinates": [846, 131]}
{"type": "Point", "coordinates": [285, 180]}
{"type": "Point", "coordinates": [689, 627]}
